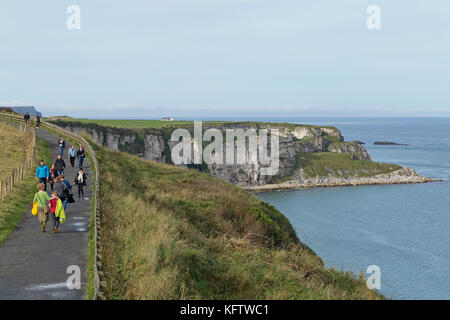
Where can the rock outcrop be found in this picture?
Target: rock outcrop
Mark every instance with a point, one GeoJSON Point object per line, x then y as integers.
{"type": "Point", "coordinates": [401, 176]}
{"type": "Point", "coordinates": [154, 144]}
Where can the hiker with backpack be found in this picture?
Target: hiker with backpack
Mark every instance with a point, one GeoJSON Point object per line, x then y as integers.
{"type": "Point", "coordinates": [56, 211]}
{"type": "Point", "coordinates": [61, 189]}
{"type": "Point", "coordinates": [70, 192]}
{"type": "Point", "coordinates": [41, 200]}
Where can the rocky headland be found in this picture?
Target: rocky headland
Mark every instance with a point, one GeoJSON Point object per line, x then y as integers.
{"type": "Point", "coordinates": [310, 156]}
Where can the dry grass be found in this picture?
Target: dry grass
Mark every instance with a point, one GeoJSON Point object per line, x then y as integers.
{"type": "Point", "coordinates": [171, 233]}
{"type": "Point", "coordinates": [18, 201]}
{"type": "Point", "coordinates": [13, 152]}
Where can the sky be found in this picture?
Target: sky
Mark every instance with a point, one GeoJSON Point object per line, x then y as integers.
{"type": "Point", "coordinates": [226, 58]}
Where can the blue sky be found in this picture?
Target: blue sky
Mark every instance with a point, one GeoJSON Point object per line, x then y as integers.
{"type": "Point", "coordinates": [212, 58]}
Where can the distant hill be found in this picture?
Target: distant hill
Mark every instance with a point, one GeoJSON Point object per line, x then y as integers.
{"type": "Point", "coordinates": [60, 118]}
{"type": "Point", "coordinates": [21, 109]}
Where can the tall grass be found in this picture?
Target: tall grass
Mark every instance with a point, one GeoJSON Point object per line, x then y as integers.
{"type": "Point", "coordinates": [16, 203]}
{"type": "Point", "coordinates": [13, 152]}
{"type": "Point", "coordinates": [173, 233]}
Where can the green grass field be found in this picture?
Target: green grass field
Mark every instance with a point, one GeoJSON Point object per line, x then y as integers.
{"type": "Point", "coordinates": [140, 124]}
{"type": "Point", "coordinates": [143, 124]}
{"type": "Point", "coordinates": [172, 233]}
{"type": "Point", "coordinates": [340, 165]}
{"type": "Point", "coordinates": [133, 124]}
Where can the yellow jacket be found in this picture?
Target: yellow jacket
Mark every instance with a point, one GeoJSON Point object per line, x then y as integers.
{"type": "Point", "coordinates": [59, 213]}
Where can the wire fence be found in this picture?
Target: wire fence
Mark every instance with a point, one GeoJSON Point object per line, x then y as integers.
{"type": "Point", "coordinates": [99, 285]}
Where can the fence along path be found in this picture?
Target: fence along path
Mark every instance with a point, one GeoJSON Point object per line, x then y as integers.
{"type": "Point", "coordinates": [94, 177]}
{"type": "Point", "coordinates": [20, 171]}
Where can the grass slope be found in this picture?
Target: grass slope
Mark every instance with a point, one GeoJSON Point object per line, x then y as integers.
{"type": "Point", "coordinates": [13, 151]}
{"type": "Point", "coordinates": [322, 164]}
{"type": "Point", "coordinates": [171, 233]}
{"type": "Point", "coordinates": [21, 196]}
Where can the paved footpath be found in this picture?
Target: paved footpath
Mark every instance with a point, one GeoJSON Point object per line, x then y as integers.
{"type": "Point", "coordinates": [33, 264]}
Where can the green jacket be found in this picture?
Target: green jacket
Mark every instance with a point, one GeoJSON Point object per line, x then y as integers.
{"type": "Point", "coordinates": [42, 199]}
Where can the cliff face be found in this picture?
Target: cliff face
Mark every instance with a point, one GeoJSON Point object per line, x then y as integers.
{"type": "Point", "coordinates": [295, 141]}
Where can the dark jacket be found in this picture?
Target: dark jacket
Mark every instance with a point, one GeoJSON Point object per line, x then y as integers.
{"type": "Point", "coordinates": [26, 116]}
{"type": "Point", "coordinates": [62, 190]}
{"type": "Point", "coordinates": [69, 187]}
{"type": "Point", "coordinates": [53, 174]}
{"type": "Point", "coordinates": [80, 153]}
{"type": "Point", "coordinates": [60, 165]}
{"type": "Point", "coordinates": [67, 183]}
{"type": "Point", "coordinates": [84, 178]}
{"type": "Point", "coordinates": [62, 143]}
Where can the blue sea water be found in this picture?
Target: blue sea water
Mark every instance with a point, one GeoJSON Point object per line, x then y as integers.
{"type": "Point", "coordinates": [403, 229]}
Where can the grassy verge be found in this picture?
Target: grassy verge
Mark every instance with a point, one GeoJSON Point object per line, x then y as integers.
{"type": "Point", "coordinates": [181, 234]}
{"type": "Point", "coordinates": [13, 151]}
{"type": "Point", "coordinates": [90, 287]}
{"type": "Point", "coordinates": [322, 164]}
{"type": "Point", "coordinates": [19, 199]}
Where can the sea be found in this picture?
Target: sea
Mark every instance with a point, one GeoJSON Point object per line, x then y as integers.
{"type": "Point", "coordinates": [404, 230]}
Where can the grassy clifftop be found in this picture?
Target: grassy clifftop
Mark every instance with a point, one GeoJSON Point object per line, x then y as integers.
{"type": "Point", "coordinates": [158, 124]}
{"type": "Point", "coordinates": [322, 164]}
{"type": "Point", "coordinates": [181, 234]}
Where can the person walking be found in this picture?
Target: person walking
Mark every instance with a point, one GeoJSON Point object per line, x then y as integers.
{"type": "Point", "coordinates": [61, 189]}
{"type": "Point", "coordinates": [43, 174]}
{"type": "Point", "coordinates": [56, 211]}
{"type": "Point", "coordinates": [80, 181]}
{"type": "Point", "coordinates": [26, 117]}
{"type": "Point", "coordinates": [61, 146]}
{"type": "Point", "coordinates": [42, 199]}
{"type": "Point", "coordinates": [38, 121]}
{"type": "Point", "coordinates": [72, 155]}
{"type": "Point", "coordinates": [80, 156]}
{"type": "Point", "coordinates": [70, 192]}
{"type": "Point", "coordinates": [60, 165]}
{"type": "Point", "coordinates": [53, 176]}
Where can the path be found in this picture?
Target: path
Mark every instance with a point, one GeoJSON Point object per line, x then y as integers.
{"type": "Point", "coordinates": [33, 264]}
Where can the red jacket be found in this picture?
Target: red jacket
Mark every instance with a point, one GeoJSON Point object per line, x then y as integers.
{"type": "Point", "coordinates": [52, 203]}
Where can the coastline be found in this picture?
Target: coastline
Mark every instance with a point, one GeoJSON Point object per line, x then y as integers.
{"type": "Point", "coordinates": [401, 176]}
